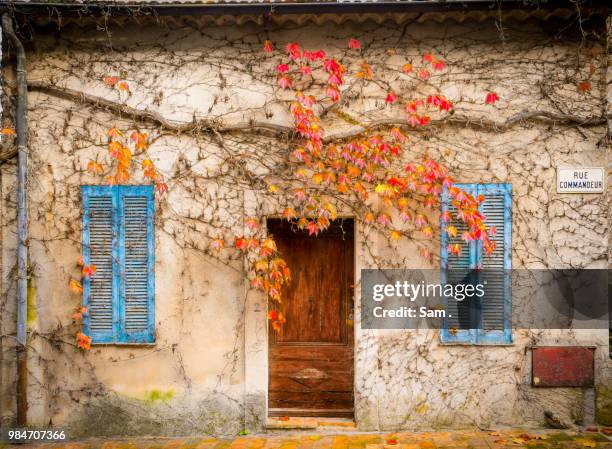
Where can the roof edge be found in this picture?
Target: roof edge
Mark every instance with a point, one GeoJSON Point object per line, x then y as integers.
{"type": "Point", "coordinates": [177, 8]}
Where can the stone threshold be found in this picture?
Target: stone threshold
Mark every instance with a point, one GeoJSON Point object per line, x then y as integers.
{"type": "Point", "coordinates": [309, 423]}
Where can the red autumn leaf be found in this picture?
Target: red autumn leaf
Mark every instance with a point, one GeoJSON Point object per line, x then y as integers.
{"type": "Point", "coordinates": [392, 441]}
{"type": "Point", "coordinates": [312, 228]}
{"type": "Point", "coordinates": [491, 98]}
{"type": "Point", "coordinates": [438, 65]}
{"type": "Point", "coordinates": [161, 187]}
{"type": "Point", "coordinates": [240, 243]}
{"type": "Point", "coordinates": [267, 46]}
{"type": "Point", "coordinates": [284, 82]}
{"type": "Point", "coordinates": [110, 81]}
{"type": "Point", "coordinates": [305, 70]}
{"type": "Point", "coordinates": [333, 93]}
{"type": "Point", "coordinates": [354, 44]}
{"type": "Point", "coordinates": [423, 74]}
{"type": "Point", "coordinates": [294, 50]}
{"type": "Point", "coordinates": [282, 68]}
{"type": "Point", "coordinates": [384, 219]}
{"type": "Point", "coordinates": [391, 97]}
{"type": "Point", "coordinates": [584, 86]}
{"type": "Point", "coordinates": [88, 270]}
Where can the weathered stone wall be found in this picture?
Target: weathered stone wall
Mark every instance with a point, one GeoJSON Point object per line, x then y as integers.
{"type": "Point", "coordinates": [207, 370]}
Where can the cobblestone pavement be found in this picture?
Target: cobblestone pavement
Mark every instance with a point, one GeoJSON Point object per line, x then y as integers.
{"type": "Point", "coordinates": [597, 438]}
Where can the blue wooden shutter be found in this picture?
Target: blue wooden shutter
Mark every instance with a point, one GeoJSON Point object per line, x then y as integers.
{"type": "Point", "coordinates": [136, 261]}
{"type": "Point", "coordinates": [454, 267]}
{"type": "Point", "coordinates": [495, 313]}
{"type": "Point", "coordinates": [496, 267]}
{"type": "Point", "coordinates": [118, 238]}
{"type": "Point", "coordinates": [99, 249]}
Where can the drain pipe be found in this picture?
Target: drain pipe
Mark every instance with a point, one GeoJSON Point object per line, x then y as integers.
{"type": "Point", "coordinates": [21, 128]}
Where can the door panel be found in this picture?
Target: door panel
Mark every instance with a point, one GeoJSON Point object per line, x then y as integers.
{"type": "Point", "coordinates": [311, 358]}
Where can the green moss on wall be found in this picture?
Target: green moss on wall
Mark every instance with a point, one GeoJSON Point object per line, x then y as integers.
{"type": "Point", "coordinates": [31, 299]}
{"type": "Point", "coordinates": [604, 405]}
{"type": "Point", "coordinates": [155, 396]}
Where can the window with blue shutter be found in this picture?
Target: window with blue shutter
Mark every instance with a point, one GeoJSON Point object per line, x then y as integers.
{"type": "Point", "coordinates": [489, 318]}
{"type": "Point", "coordinates": [118, 239]}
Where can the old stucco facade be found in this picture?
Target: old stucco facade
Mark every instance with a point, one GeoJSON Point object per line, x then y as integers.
{"type": "Point", "coordinates": [207, 371]}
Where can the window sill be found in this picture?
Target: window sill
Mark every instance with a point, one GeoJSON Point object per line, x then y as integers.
{"type": "Point", "coordinates": [130, 345]}
{"type": "Point", "coordinates": [456, 343]}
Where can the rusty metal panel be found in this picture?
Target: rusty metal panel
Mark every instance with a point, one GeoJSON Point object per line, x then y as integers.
{"type": "Point", "coordinates": [562, 366]}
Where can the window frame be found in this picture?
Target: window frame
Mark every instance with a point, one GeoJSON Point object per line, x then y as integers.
{"type": "Point", "coordinates": [477, 336]}
{"type": "Point", "coordinates": [119, 335]}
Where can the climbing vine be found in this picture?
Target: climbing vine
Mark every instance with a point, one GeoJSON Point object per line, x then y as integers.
{"type": "Point", "coordinates": [364, 170]}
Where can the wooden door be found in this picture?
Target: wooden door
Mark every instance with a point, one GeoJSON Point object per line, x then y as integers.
{"type": "Point", "coordinates": [311, 358]}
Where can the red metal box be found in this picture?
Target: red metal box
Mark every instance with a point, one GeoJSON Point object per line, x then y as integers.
{"type": "Point", "coordinates": [562, 366]}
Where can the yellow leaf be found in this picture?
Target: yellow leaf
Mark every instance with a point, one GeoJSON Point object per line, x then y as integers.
{"type": "Point", "coordinates": [75, 286]}
{"type": "Point", "coordinates": [317, 178]}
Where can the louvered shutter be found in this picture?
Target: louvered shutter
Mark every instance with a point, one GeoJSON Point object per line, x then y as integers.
{"type": "Point", "coordinates": [99, 249]}
{"type": "Point", "coordinates": [496, 304]}
{"type": "Point", "coordinates": [494, 309]}
{"type": "Point", "coordinates": [136, 262]}
{"type": "Point", "coordinates": [118, 239]}
{"type": "Point", "coordinates": [454, 270]}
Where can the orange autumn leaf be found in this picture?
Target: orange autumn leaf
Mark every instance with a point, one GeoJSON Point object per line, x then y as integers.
{"type": "Point", "coordinates": [218, 244]}
{"type": "Point", "coordinates": [8, 132]}
{"type": "Point", "coordinates": [147, 164]}
{"type": "Point", "coordinates": [83, 341]}
{"type": "Point", "coordinates": [75, 286]}
{"type": "Point", "coordinates": [114, 132]}
{"type": "Point", "coordinates": [278, 323]}
{"type": "Point", "coordinates": [252, 223]}
{"type": "Point", "coordinates": [122, 85]}
{"type": "Point", "coordinates": [95, 167]}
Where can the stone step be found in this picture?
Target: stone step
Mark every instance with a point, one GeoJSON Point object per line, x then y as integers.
{"type": "Point", "coordinates": [309, 423]}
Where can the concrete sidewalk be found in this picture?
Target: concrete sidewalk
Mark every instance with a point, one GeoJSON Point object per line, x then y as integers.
{"type": "Point", "coordinates": [596, 437]}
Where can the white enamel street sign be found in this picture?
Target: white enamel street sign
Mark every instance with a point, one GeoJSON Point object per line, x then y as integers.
{"type": "Point", "coordinates": [580, 180]}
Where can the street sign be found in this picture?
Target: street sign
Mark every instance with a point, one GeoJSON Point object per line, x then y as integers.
{"type": "Point", "coordinates": [580, 180]}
